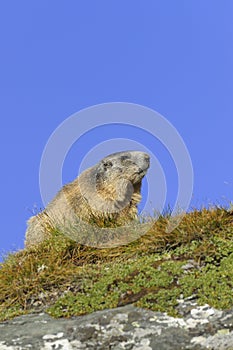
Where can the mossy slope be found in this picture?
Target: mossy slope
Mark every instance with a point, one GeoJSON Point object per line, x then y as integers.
{"type": "Point", "coordinates": [67, 279]}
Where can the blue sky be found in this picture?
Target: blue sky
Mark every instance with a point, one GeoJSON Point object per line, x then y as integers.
{"type": "Point", "coordinates": [58, 57]}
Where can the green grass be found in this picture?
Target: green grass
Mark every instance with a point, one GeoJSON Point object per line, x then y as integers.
{"type": "Point", "coordinates": [66, 279]}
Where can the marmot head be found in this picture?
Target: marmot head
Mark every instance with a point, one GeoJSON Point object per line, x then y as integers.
{"type": "Point", "coordinates": [115, 182]}
{"type": "Point", "coordinates": [129, 165]}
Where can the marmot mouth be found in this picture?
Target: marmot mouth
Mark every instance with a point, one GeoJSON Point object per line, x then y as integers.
{"type": "Point", "coordinates": [139, 176]}
{"type": "Point", "coordinates": [141, 172]}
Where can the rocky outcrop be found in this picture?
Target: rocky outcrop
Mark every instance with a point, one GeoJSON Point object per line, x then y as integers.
{"type": "Point", "coordinates": [128, 327]}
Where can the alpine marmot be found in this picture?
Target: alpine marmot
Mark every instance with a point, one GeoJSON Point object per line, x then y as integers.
{"type": "Point", "coordinates": [108, 190]}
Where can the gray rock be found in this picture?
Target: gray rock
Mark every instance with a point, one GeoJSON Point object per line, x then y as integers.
{"type": "Point", "coordinates": [128, 327]}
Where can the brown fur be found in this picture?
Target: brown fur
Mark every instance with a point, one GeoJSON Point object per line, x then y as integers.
{"type": "Point", "coordinates": [108, 190]}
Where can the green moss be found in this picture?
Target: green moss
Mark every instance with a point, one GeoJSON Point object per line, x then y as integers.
{"type": "Point", "coordinates": [11, 312]}
{"type": "Point", "coordinates": [163, 301]}
{"type": "Point", "coordinates": [212, 284]}
{"type": "Point", "coordinates": [121, 284]}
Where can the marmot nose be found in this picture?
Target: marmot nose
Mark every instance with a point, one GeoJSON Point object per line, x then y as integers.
{"type": "Point", "coordinates": [144, 163]}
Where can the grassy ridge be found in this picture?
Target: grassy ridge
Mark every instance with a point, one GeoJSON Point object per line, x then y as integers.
{"type": "Point", "coordinates": [66, 279]}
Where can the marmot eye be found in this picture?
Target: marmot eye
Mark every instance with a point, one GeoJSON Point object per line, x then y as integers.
{"type": "Point", "coordinates": [108, 164]}
{"type": "Point", "coordinates": [123, 158]}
